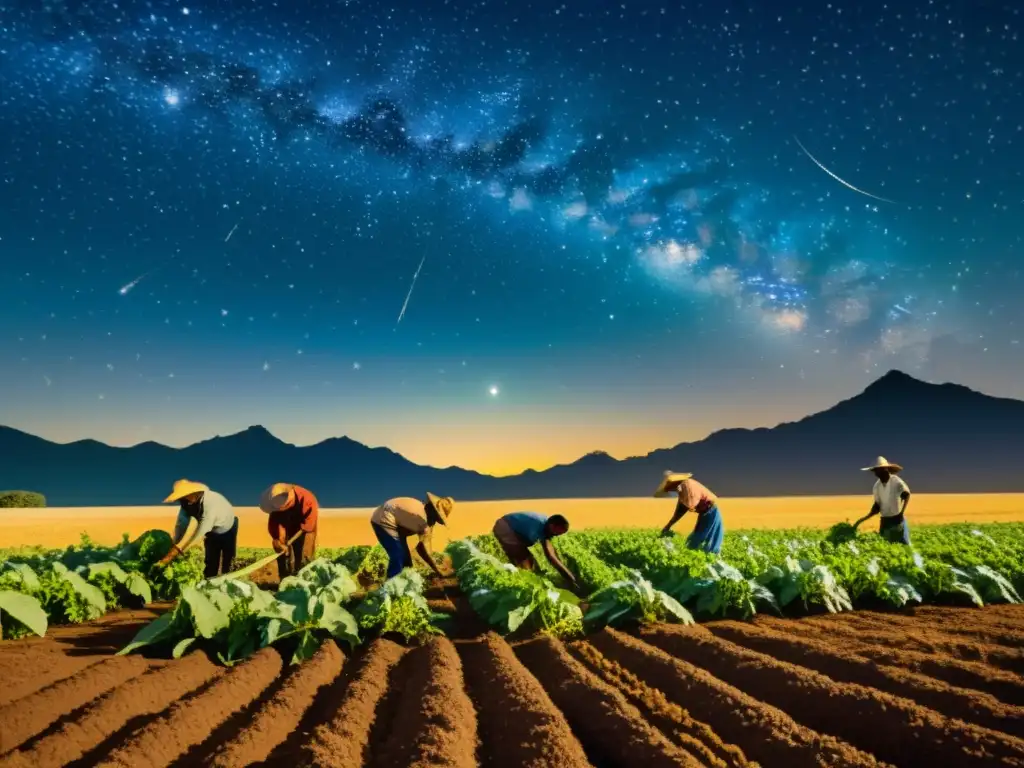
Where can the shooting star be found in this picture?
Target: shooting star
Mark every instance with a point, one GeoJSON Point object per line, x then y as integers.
{"type": "Point", "coordinates": [124, 289]}
{"type": "Point", "coordinates": [409, 294]}
{"type": "Point", "coordinates": [904, 310]}
{"type": "Point", "coordinates": [231, 232]}
{"type": "Point", "coordinates": [844, 183]}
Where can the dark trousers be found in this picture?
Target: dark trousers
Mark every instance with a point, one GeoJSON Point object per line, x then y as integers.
{"type": "Point", "coordinates": [299, 554]}
{"type": "Point", "coordinates": [220, 551]}
{"type": "Point", "coordinates": [399, 556]}
{"type": "Point", "coordinates": [895, 529]}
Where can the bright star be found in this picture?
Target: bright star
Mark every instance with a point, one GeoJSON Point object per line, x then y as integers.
{"type": "Point", "coordinates": [494, 391]}
{"type": "Point", "coordinates": [172, 98]}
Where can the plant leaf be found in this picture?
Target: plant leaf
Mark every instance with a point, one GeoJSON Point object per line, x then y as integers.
{"type": "Point", "coordinates": [25, 609]}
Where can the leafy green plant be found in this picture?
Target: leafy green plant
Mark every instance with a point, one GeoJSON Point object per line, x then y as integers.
{"type": "Point", "coordinates": [721, 590]}
{"type": "Point", "coordinates": [840, 533]}
{"type": "Point", "coordinates": [814, 585]}
{"type": "Point", "coordinates": [507, 597]}
{"type": "Point", "coordinates": [618, 594]}
{"type": "Point", "coordinates": [234, 618]}
{"type": "Point", "coordinates": [398, 606]}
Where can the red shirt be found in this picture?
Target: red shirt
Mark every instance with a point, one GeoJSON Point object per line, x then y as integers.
{"type": "Point", "coordinates": [302, 515]}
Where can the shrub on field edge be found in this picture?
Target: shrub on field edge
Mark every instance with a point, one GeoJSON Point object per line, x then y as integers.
{"type": "Point", "coordinates": [21, 499]}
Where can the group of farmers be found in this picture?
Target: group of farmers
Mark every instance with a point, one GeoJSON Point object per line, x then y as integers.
{"type": "Point", "coordinates": [293, 518]}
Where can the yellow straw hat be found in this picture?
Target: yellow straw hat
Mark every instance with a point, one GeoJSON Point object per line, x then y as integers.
{"type": "Point", "coordinates": [882, 463]}
{"type": "Point", "coordinates": [444, 506]}
{"type": "Point", "coordinates": [277, 497]}
{"type": "Point", "coordinates": [671, 479]}
{"type": "Point", "coordinates": [183, 488]}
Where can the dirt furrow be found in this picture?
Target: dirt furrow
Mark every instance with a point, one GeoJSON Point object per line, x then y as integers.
{"type": "Point", "coordinates": [148, 694]}
{"type": "Point", "coordinates": [28, 671]}
{"type": "Point", "coordinates": [191, 721]}
{"type": "Point", "coordinates": [843, 666]}
{"type": "Point", "coordinates": [342, 741]}
{"type": "Point", "coordinates": [33, 714]}
{"type": "Point", "coordinates": [925, 638]}
{"type": "Point", "coordinates": [517, 722]}
{"type": "Point", "coordinates": [278, 717]}
{"type": "Point", "coordinates": [670, 718]}
{"type": "Point", "coordinates": [435, 723]}
{"type": "Point", "coordinates": [895, 729]}
{"type": "Point", "coordinates": [942, 661]}
{"type": "Point", "coordinates": [970, 623]}
{"type": "Point", "coordinates": [763, 732]}
{"type": "Point", "coordinates": [1001, 616]}
{"type": "Point", "coordinates": [612, 731]}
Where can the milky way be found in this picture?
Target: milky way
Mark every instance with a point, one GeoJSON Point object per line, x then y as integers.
{"type": "Point", "coordinates": [686, 214]}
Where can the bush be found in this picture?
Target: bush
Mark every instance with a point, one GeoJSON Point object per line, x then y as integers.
{"type": "Point", "coordinates": [9, 499]}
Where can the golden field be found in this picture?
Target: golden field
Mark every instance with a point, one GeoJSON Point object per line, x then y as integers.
{"type": "Point", "coordinates": [61, 526]}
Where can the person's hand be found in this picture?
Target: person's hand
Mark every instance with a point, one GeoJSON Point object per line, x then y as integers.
{"type": "Point", "coordinates": [279, 546]}
{"type": "Point", "coordinates": [166, 559]}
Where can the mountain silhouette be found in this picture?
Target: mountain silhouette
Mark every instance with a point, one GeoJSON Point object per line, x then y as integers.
{"type": "Point", "coordinates": [948, 437]}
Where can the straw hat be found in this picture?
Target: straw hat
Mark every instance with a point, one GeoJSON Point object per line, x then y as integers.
{"type": "Point", "coordinates": [883, 463]}
{"type": "Point", "coordinates": [277, 497]}
{"type": "Point", "coordinates": [183, 488]}
{"type": "Point", "coordinates": [444, 506]}
{"type": "Point", "coordinates": [671, 478]}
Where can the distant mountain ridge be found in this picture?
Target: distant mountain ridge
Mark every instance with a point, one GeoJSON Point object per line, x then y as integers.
{"type": "Point", "coordinates": [949, 438]}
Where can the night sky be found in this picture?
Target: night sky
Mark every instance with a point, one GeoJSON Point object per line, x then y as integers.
{"type": "Point", "coordinates": [501, 234]}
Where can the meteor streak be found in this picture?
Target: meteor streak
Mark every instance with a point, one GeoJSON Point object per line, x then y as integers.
{"type": "Point", "coordinates": [844, 183]}
{"type": "Point", "coordinates": [409, 294]}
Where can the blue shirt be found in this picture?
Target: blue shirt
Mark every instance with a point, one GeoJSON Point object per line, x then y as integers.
{"type": "Point", "coordinates": [529, 526]}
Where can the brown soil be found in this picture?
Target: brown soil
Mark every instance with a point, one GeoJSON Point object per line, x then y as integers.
{"type": "Point", "coordinates": [271, 725]}
{"type": "Point", "coordinates": [147, 695]}
{"type": "Point", "coordinates": [761, 731]}
{"type": "Point", "coordinates": [963, 664]}
{"type": "Point", "coordinates": [965, 622]}
{"type": "Point", "coordinates": [516, 720]}
{"type": "Point", "coordinates": [34, 663]}
{"type": "Point", "coordinates": [875, 721]}
{"type": "Point", "coordinates": [190, 721]}
{"type": "Point", "coordinates": [31, 715]}
{"type": "Point", "coordinates": [671, 719]}
{"type": "Point", "coordinates": [435, 723]}
{"type": "Point", "coordinates": [843, 666]}
{"type": "Point", "coordinates": [781, 692]}
{"type": "Point", "coordinates": [342, 742]}
{"type": "Point", "coordinates": [613, 731]}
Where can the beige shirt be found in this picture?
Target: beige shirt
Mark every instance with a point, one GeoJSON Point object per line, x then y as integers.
{"type": "Point", "coordinates": [694, 495]}
{"type": "Point", "coordinates": [402, 517]}
{"type": "Point", "coordinates": [887, 495]}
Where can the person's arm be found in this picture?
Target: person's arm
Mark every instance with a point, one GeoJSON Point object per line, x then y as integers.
{"type": "Point", "coordinates": [875, 508]}
{"type": "Point", "coordinates": [204, 527]}
{"type": "Point", "coordinates": [309, 513]}
{"type": "Point", "coordinates": [681, 509]}
{"type": "Point", "coordinates": [278, 538]}
{"type": "Point", "coordinates": [552, 556]}
{"type": "Point", "coordinates": [904, 497]}
{"type": "Point", "coordinates": [424, 552]}
{"type": "Point", "coordinates": [180, 528]}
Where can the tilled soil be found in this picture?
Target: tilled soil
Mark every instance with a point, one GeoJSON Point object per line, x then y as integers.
{"type": "Point", "coordinates": [929, 686]}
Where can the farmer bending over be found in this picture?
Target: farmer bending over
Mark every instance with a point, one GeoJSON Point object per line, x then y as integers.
{"type": "Point", "coordinates": [892, 495]}
{"type": "Point", "coordinates": [292, 511]}
{"type": "Point", "coordinates": [518, 531]}
{"type": "Point", "coordinates": [693, 496]}
{"type": "Point", "coordinates": [396, 520]}
{"type": "Point", "coordinates": [217, 526]}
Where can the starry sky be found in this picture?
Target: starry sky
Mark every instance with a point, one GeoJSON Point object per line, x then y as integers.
{"type": "Point", "coordinates": [501, 234]}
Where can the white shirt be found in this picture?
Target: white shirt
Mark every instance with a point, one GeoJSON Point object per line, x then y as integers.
{"type": "Point", "coordinates": [216, 516]}
{"type": "Point", "coordinates": [887, 495]}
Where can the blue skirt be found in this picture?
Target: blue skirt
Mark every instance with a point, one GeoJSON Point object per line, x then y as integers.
{"type": "Point", "coordinates": [708, 533]}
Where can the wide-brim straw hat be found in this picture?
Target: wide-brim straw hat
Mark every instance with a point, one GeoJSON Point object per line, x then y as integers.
{"type": "Point", "coordinates": [443, 505]}
{"type": "Point", "coordinates": [277, 497]}
{"type": "Point", "coordinates": [671, 478]}
{"type": "Point", "coordinates": [882, 463]}
{"type": "Point", "coordinates": [183, 488]}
